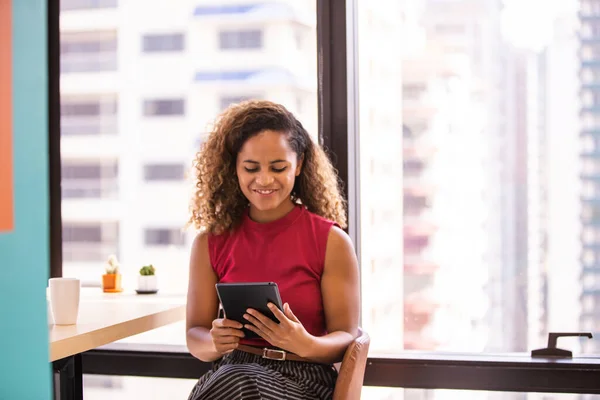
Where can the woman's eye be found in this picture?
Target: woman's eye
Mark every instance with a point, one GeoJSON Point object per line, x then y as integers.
{"type": "Point", "coordinates": [251, 169]}
{"type": "Point", "coordinates": [279, 169]}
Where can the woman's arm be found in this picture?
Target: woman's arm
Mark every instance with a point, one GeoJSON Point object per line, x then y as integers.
{"type": "Point", "coordinates": [341, 300]}
{"type": "Point", "coordinates": [202, 302]}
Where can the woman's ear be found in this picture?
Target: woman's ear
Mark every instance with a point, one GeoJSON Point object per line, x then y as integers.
{"type": "Point", "coordinates": [299, 166]}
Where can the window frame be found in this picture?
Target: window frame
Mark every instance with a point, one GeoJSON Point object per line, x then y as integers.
{"type": "Point", "coordinates": [338, 132]}
{"type": "Point", "coordinates": [157, 104]}
{"type": "Point", "coordinates": [226, 44]}
{"type": "Point", "coordinates": [163, 172]}
{"type": "Point", "coordinates": [162, 38]}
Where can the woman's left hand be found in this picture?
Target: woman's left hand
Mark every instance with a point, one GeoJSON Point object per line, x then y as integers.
{"type": "Point", "coordinates": [288, 335]}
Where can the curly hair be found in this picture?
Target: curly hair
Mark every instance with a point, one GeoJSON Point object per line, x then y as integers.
{"type": "Point", "coordinates": [219, 204]}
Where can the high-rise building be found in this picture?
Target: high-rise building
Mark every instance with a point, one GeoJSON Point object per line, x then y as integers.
{"type": "Point", "coordinates": [140, 84]}
{"type": "Point", "coordinates": [452, 169]}
{"type": "Point", "coordinates": [589, 100]}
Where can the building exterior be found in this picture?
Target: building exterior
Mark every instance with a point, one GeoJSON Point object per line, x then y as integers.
{"type": "Point", "coordinates": [589, 100]}
{"type": "Point", "coordinates": [137, 96]}
{"type": "Point", "coordinates": [470, 201]}
{"type": "Point", "coordinates": [454, 254]}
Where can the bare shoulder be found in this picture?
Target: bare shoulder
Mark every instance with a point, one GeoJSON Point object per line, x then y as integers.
{"type": "Point", "coordinates": [340, 250]}
{"type": "Point", "coordinates": [200, 241]}
{"type": "Point", "coordinates": [199, 252]}
{"type": "Point", "coordinates": [338, 239]}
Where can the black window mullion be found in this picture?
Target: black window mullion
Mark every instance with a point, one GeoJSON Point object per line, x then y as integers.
{"type": "Point", "coordinates": [338, 98]}
{"type": "Point", "coordinates": [54, 167]}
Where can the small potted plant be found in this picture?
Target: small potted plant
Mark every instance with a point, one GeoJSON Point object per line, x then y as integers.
{"type": "Point", "coordinates": [147, 282]}
{"type": "Point", "coordinates": [111, 281]}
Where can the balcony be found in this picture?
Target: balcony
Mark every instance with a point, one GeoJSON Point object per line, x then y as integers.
{"type": "Point", "coordinates": [88, 62]}
{"type": "Point", "coordinates": [89, 188]}
{"type": "Point", "coordinates": [590, 176]}
{"type": "Point", "coordinates": [591, 63]}
{"type": "Point", "coordinates": [592, 131]}
{"type": "Point", "coordinates": [420, 149]}
{"type": "Point", "coordinates": [588, 15]}
{"type": "Point", "coordinates": [88, 251]}
{"type": "Point", "coordinates": [417, 264]}
{"type": "Point", "coordinates": [69, 5]}
{"type": "Point", "coordinates": [88, 125]}
{"type": "Point", "coordinates": [419, 228]}
{"type": "Point", "coordinates": [589, 39]}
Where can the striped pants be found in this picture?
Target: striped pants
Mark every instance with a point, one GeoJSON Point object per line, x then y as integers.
{"type": "Point", "coordinates": [241, 375]}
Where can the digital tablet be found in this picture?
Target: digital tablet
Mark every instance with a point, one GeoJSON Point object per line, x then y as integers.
{"type": "Point", "coordinates": [235, 298]}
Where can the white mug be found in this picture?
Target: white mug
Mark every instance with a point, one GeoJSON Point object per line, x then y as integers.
{"type": "Point", "coordinates": [64, 300]}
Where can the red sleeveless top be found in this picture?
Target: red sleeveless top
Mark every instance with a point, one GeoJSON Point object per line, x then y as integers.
{"type": "Point", "coordinates": [289, 251]}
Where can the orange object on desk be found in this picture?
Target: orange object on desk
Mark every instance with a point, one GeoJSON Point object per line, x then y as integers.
{"type": "Point", "coordinates": [111, 283]}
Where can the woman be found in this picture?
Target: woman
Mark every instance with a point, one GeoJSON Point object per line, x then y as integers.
{"type": "Point", "coordinates": [269, 209]}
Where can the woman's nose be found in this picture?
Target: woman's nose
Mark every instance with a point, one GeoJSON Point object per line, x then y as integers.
{"type": "Point", "coordinates": [264, 179]}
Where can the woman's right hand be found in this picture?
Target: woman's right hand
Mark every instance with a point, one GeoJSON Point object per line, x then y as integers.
{"type": "Point", "coordinates": [226, 334]}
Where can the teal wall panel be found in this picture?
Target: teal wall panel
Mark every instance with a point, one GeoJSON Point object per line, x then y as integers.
{"type": "Point", "coordinates": [24, 253]}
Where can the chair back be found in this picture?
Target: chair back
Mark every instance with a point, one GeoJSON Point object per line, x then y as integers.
{"type": "Point", "coordinates": [352, 370]}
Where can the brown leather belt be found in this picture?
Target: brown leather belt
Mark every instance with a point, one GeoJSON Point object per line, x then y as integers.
{"type": "Point", "coordinates": [271, 354]}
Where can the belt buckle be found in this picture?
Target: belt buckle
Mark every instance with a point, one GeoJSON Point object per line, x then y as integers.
{"type": "Point", "coordinates": [268, 354]}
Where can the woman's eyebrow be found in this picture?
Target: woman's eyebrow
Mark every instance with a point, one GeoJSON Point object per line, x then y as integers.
{"type": "Point", "coordinates": [272, 162]}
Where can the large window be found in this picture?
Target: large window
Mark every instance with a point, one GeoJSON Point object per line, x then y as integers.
{"type": "Point", "coordinates": [89, 179]}
{"type": "Point", "coordinates": [466, 143]}
{"type": "Point", "coordinates": [67, 5]}
{"type": "Point", "coordinates": [240, 39]}
{"type": "Point", "coordinates": [158, 43]}
{"type": "Point", "coordinates": [163, 237]}
{"type": "Point", "coordinates": [91, 114]}
{"type": "Point", "coordinates": [89, 241]}
{"type": "Point", "coordinates": [139, 88]}
{"type": "Point", "coordinates": [163, 172]}
{"type": "Point", "coordinates": [164, 107]}
{"type": "Point", "coordinates": [88, 51]}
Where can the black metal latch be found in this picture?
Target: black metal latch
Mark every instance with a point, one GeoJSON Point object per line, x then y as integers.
{"type": "Point", "coordinates": [552, 350]}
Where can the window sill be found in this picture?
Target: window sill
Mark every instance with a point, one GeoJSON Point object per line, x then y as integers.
{"type": "Point", "coordinates": [516, 372]}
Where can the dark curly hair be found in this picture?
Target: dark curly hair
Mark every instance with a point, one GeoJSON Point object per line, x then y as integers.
{"type": "Point", "coordinates": [219, 204]}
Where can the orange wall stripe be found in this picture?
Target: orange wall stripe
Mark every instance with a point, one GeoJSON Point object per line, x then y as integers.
{"type": "Point", "coordinates": [6, 126]}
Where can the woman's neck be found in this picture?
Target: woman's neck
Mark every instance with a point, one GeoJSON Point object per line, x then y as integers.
{"type": "Point", "coordinates": [265, 216]}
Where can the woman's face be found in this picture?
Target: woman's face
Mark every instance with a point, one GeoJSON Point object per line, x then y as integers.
{"type": "Point", "coordinates": [266, 169]}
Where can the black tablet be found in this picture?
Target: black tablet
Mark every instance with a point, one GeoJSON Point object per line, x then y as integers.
{"type": "Point", "coordinates": [236, 298]}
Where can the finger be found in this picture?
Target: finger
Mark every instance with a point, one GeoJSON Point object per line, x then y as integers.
{"type": "Point", "coordinates": [281, 317]}
{"type": "Point", "coordinates": [259, 322]}
{"type": "Point", "coordinates": [264, 320]}
{"type": "Point", "coordinates": [288, 313]}
{"type": "Point", "coordinates": [255, 322]}
{"type": "Point", "coordinates": [224, 340]}
{"type": "Point", "coordinates": [258, 331]}
{"type": "Point", "coordinates": [229, 332]}
{"type": "Point", "coordinates": [226, 348]}
{"type": "Point", "coordinates": [229, 323]}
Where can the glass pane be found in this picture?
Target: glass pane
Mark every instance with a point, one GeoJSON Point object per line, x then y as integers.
{"type": "Point", "coordinates": [381, 393]}
{"type": "Point", "coordinates": [478, 174]}
{"type": "Point", "coordinates": [101, 387]}
{"type": "Point", "coordinates": [140, 85]}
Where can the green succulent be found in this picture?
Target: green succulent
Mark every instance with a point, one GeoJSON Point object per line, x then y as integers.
{"type": "Point", "coordinates": [147, 270]}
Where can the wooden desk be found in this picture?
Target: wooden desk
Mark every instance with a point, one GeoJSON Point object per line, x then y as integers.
{"type": "Point", "coordinates": [105, 319]}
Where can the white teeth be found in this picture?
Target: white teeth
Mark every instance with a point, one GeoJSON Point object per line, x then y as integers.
{"type": "Point", "coordinates": [264, 191]}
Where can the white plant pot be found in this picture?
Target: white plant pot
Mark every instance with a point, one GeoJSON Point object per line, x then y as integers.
{"type": "Point", "coordinates": [147, 283]}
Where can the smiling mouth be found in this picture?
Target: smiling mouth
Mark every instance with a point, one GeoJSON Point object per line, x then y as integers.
{"type": "Point", "coordinates": [264, 192]}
